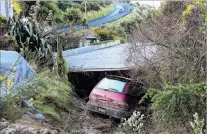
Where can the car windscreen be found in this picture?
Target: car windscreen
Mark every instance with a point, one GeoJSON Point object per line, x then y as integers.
{"type": "Point", "coordinates": [112, 85]}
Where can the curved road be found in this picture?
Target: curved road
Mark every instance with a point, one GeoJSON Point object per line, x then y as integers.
{"type": "Point", "coordinates": [125, 7]}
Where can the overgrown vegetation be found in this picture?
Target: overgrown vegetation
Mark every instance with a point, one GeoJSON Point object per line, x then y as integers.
{"type": "Point", "coordinates": [11, 97]}
{"type": "Point", "coordinates": [175, 73]}
{"type": "Point", "coordinates": [107, 34]}
{"type": "Point", "coordinates": [198, 125]}
{"type": "Point", "coordinates": [53, 94]}
{"type": "Point", "coordinates": [175, 105]}
{"type": "Point", "coordinates": [61, 9]}
{"type": "Point", "coordinates": [133, 123]}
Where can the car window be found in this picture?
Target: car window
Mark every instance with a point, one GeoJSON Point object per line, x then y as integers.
{"type": "Point", "coordinates": [112, 85]}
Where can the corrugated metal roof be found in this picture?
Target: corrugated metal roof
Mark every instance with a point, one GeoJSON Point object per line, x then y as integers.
{"type": "Point", "coordinates": [105, 59]}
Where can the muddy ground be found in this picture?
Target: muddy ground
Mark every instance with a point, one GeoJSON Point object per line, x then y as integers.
{"type": "Point", "coordinates": [82, 121]}
{"type": "Point", "coordinates": [78, 121]}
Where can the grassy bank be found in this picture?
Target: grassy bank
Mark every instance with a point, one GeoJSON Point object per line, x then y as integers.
{"type": "Point", "coordinates": [102, 12]}
{"type": "Point", "coordinates": [51, 97]}
{"type": "Point", "coordinates": [53, 94]}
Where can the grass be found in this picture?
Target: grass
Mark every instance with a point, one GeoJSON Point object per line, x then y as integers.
{"type": "Point", "coordinates": [48, 110]}
{"type": "Point", "coordinates": [51, 97]}
{"type": "Point", "coordinates": [92, 15]}
{"type": "Point", "coordinates": [53, 94]}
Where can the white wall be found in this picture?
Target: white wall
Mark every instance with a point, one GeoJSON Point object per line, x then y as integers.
{"type": "Point", "coordinates": [109, 44]}
{"type": "Point", "coordinates": [6, 8]}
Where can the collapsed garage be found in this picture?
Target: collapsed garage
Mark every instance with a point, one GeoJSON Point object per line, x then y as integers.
{"type": "Point", "coordinates": [88, 65]}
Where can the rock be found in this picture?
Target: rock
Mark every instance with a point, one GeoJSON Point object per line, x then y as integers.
{"type": "Point", "coordinates": [14, 128]}
{"type": "Point", "coordinates": [39, 116]}
{"type": "Point", "coordinates": [54, 132]}
{"type": "Point", "coordinates": [27, 103]}
{"type": "Point", "coordinates": [3, 123]}
{"type": "Point", "coordinates": [45, 131]}
{"type": "Point", "coordinates": [25, 129]}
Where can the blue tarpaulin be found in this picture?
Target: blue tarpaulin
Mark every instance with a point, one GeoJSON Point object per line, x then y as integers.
{"type": "Point", "coordinates": [20, 74]}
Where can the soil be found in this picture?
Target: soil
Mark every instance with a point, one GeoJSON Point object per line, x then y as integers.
{"type": "Point", "coordinates": [82, 121]}
{"type": "Point", "coordinates": [78, 121]}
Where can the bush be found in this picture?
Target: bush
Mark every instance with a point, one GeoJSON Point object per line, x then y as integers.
{"type": "Point", "coordinates": [175, 104]}
{"type": "Point", "coordinates": [10, 109]}
{"type": "Point", "coordinates": [104, 34]}
{"type": "Point", "coordinates": [72, 15]}
{"type": "Point", "coordinates": [198, 125]}
{"type": "Point", "coordinates": [32, 40]}
{"type": "Point", "coordinates": [10, 103]}
{"type": "Point", "coordinates": [2, 21]}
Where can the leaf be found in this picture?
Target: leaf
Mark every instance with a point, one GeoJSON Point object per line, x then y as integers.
{"type": "Point", "coordinates": [8, 92]}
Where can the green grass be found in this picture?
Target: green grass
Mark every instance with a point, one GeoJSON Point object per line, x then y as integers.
{"type": "Point", "coordinates": [48, 110]}
{"type": "Point", "coordinates": [51, 97]}
{"type": "Point", "coordinates": [92, 15]}
{"type": "Point", "coordinates": [53, 94]}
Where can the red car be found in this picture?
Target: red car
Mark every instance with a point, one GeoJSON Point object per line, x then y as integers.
{"type": "Point", "coordinates": [110, 97]}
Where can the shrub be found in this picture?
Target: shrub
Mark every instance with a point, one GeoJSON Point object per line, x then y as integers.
{"type": "Point", "coordinates": [10, 103]}
{"type": "Point", "coordinates": [10, 109]}
{"type": "Point", "coordinates": [17, 7]}
{"type": "Point", "coordinates": [104, 34]}
{"type": "Point", "coordinates": [198, 125]}
{"type": "Point", "coordinates": [72, 15]}
{"type": "Point", "coordinates": [2, 21]}
{"type": "Point", "coordinates": [32, 40]}
{"type": "Point", "coordinates": [134, 123]}
{"type": "Point", "coordinates": [175, 104]}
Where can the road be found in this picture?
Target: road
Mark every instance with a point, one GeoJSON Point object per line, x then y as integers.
{"type": "Point", "coordinates": [114, 15]}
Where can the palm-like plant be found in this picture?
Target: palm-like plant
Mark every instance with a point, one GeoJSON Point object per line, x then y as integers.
{"type": "Point", "coordinates": [32, 39]}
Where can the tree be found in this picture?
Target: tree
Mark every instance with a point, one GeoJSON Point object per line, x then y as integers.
{"type": "Point", "coordinates": [168, 51]}
{"type": "Point", "coordinates": [73, 16]}
{"type": "Point", "coordinates": [178, 32]}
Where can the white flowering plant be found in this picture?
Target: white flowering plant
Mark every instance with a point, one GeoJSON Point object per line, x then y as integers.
{"type": "Point", "coordinates": [198, 125]}
{"type": "Point", "coordinates": [134, 123]}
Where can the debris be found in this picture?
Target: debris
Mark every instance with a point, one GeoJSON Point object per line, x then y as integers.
{"type": "Point", "coordinates": [3, 123]}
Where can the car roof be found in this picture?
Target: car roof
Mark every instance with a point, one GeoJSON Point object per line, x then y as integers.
{"type": "Point", "coordinates": [118, 77]}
